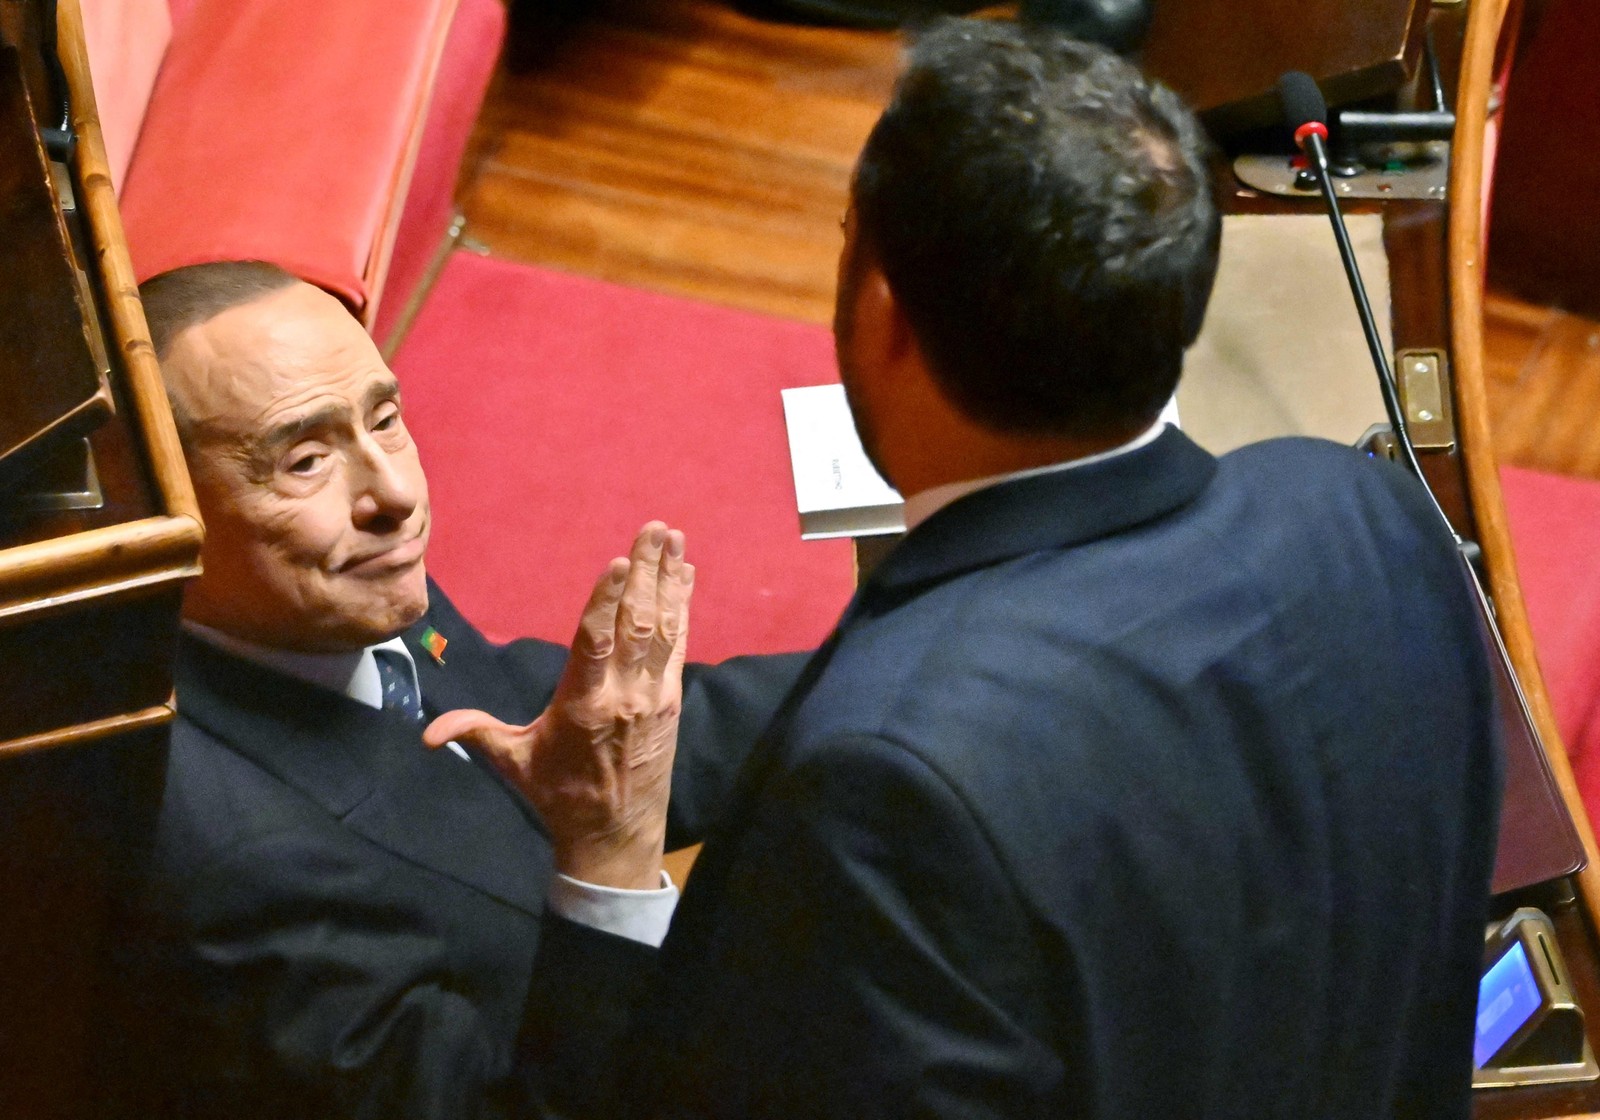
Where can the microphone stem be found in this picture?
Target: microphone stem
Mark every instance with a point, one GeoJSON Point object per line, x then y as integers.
{"type": "Point", "coordinates": [1318, 152]}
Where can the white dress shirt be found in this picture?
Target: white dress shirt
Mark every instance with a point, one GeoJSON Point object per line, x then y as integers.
{"type": "Point", "coordinates": [637, 915]}
{"type": "Point", "coordinates": [923, 505]}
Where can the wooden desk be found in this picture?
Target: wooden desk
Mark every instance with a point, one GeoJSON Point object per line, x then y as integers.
{"type": "Point", "coordinates": [88, 619]}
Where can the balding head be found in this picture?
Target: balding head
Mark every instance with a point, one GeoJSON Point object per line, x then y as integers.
{"type": "Point", "coordinates": [315, 503]}
{"type": "Point", "coordinates": [186, 297]}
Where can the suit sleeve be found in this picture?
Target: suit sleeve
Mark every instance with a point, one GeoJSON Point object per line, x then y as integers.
{"type": "Point", "coordinates": [726, 707]}
{"type": "Point", "coordinates": [865, 947]}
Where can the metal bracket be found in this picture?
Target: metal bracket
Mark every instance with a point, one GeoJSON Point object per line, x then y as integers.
{"type": "Point", "coordinates": [65, 479]}
{"type": "Point", "coordinates": [1425, 395]}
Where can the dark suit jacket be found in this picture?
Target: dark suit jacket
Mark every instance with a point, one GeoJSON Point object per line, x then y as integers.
{"type": "Point", "coordinates": [332, 921]}
{"type": "Point", "coordinates": [1155, 788]}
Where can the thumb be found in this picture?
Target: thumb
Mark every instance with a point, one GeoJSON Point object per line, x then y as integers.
{"type": "Point", "coordinates": [509, 749]}
{"type": "Point", "coordinates": [470, 727]}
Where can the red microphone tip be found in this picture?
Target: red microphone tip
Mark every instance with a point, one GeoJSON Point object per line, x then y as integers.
{"type": "Point", "coordinates": [1302, 133]}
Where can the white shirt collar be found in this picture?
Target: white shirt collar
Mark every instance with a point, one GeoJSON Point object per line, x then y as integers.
{"type": "Point", "coordinates": [353, 673]}
{"type": "Point", "coordinates": [923, 505]}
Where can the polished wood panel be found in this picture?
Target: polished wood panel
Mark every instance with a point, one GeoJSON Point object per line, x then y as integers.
{"type": "Point", "coordinates": [680, 146]}
{"type": "Point", "coordinates": [1546, 231]}
{"type": "Point", "coordinates": [1576, 919]}
{"type": "Point", "coordinates": [1354, 48]}
{"type": "Point", "coordinates": [52, 384]}
{"type": "Point", "coordinates": [150, 417]}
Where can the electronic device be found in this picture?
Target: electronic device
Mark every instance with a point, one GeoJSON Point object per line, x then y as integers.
{"type": "Point", "coordinates": [1529, 1028]}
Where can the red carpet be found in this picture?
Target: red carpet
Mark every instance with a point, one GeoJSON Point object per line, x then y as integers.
{"type": "Point", "coordinates": [556, 414]}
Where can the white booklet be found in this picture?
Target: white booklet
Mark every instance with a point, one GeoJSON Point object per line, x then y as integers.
{"type": "Point", "coordinates": [838, 492]}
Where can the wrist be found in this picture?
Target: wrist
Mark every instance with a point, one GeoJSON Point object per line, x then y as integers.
{"type": "Point", "coordinates": [633, 863]}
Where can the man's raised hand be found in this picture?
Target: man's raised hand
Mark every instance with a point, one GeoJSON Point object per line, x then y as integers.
{"type": "Point", "coordinates": [597, 764]}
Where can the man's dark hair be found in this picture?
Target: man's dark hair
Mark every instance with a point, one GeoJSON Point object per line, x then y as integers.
{"type": "Point", "coordinates": [185, 297]}
{"type": "Point", "coordinates": [1044, 217]}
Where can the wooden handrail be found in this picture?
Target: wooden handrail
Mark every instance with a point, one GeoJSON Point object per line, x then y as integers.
{"type": "Point", "coordinates": [1466, 269]}
{"type": "Point", "coordinates": [66, 569]}
{"type": "Point", "coordinates": [99, 201]}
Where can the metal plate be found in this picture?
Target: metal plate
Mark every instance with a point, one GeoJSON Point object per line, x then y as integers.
{"type": "Point", "coordinates": [1424, 381]}
{"type": "Point", "coordinates": [1423, 174]}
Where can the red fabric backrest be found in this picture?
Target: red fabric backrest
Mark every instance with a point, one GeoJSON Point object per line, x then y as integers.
{"type": "Point", "coordinates": [284, 130]}
{"type": "Point", "coordinates": [126, 41]}
{"type": "Point", "coordinates": [180, 9]}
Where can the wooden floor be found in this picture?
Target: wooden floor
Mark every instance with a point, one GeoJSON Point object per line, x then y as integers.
{"type": "Point", "coordinates": [679, 146]}
{"type": "Point", "coordinates": [1543, 368]}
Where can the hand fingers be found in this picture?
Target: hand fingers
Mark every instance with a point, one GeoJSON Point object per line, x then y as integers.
{"type": "Point", "coordinates": [672, 601]}
{"type": "Point", "coordinates": [637, 614]}
{"type": "Point", "coordinates": [680, 651]}
{"type": "Point", "coordinates": [597, 629]}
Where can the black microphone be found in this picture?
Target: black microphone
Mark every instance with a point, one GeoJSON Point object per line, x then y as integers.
{"type": "Point", "coordinates": [1302, 103]}
{"type": "Point", "coordinates": [1307, 113]}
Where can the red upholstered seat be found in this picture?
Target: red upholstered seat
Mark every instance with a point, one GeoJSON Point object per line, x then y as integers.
{"type": "Point", "coordinates": [1555, 528]}
{"type": "Point", "coordinates": [286, 130]}
{"type": "Point", "coordinates": [464, 72]}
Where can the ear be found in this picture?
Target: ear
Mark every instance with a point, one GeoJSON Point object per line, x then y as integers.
{"type": "Point", "coordinates": [882, 335]}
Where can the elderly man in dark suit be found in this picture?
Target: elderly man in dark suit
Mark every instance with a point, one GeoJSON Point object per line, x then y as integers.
{"type": "Point", "coordinates": [1134, 782]}
{"type": "Point", "coordinates": [332, 921]}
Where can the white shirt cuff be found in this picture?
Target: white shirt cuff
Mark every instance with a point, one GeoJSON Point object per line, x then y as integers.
{"type": "Point", "coordinates": [637, 915]}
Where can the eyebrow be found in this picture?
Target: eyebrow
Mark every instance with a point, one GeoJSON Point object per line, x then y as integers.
{"type": "Point", "coordinates": [290, 432]}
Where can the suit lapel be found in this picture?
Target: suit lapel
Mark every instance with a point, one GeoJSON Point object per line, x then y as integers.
{"type": "Point", "coordinates": [369, 770]}
{"type": "Point", "coordinates": [465, 674]}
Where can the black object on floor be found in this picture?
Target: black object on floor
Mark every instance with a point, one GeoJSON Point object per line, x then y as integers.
{"type": "Point", "coordinates": [535, 29]}
{"type": "Point", "coordinates": [1118, 24]}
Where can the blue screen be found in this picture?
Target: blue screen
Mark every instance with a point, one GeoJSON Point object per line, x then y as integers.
{"type": "Point", "coordinates": [1507, 996]}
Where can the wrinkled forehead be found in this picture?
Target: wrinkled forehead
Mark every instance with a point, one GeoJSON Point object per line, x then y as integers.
{"type": "Point", "coordinates": [293, 348]}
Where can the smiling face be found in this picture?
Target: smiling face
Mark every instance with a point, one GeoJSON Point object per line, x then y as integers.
{"type": "Point", "coordinates": [315, 504]}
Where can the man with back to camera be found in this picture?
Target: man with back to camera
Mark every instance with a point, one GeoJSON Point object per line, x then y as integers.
{"type": "Point", "coordinates": [332, 921]}
{"type": "Point", "coordinates": [1134, 782]}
